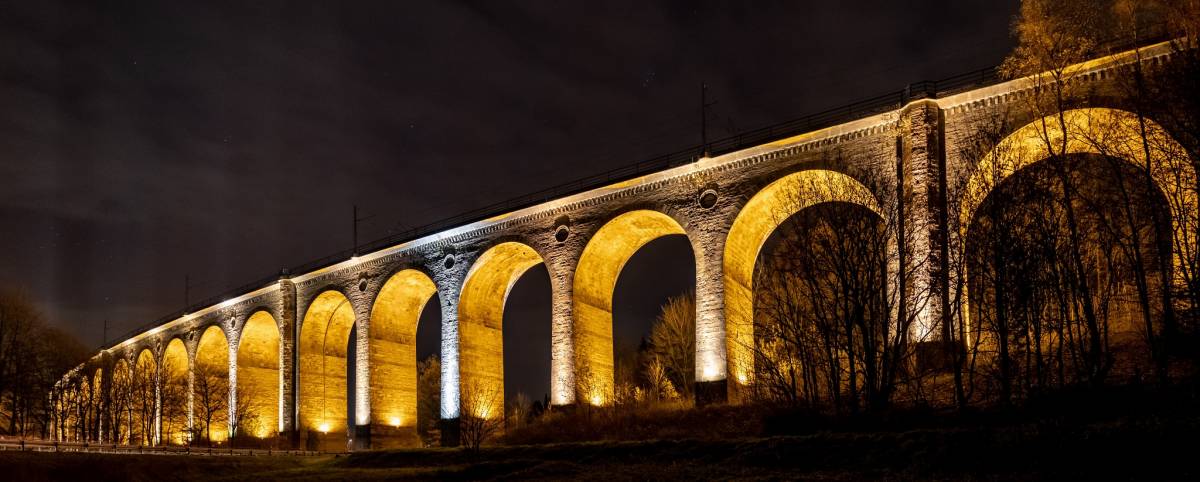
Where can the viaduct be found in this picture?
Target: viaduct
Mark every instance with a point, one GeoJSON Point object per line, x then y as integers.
{"type": "Point", "coordinates": [285, 339]}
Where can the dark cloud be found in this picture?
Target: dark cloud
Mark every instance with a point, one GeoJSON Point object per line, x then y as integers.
{"type": "Point", "coordinates": [140, 141]}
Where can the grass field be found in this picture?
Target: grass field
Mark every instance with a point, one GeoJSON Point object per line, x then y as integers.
{"type": "Point", "coordinates": [1145, 449]}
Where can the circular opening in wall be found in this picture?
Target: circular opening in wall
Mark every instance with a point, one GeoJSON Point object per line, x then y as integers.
{"type": "Point", "coordinates": [708, 198]}
{"type": "Point", "coordinates": [449, 263]}
{"type": "Point", "coordinates": [362, 285]}
{"type": "Point", "coordinates": [561, 233]}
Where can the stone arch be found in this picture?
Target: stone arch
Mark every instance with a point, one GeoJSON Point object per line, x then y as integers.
{"type": "Point", "coordinates": [1100, 131]}
{"type": "Point", "coordinates": [210, 385]}
{"type": "Point", "coordinates": [175, 393]}
{"type": "Point", "coordinates": [601, 262]}
{"type": "Point", "coordinates": [120, 401]}
{"type": "Point", "coordinates": [393, 348]}
{"type": "Point", "coordinates": [97, 379]}
{"type": "Point", "coordinates": [480, 324]}
{"type": "Point", "coordinates": [757, 219]}
{"type": "Point", "coordinates": [324, 335]}
{"type": "Point", "coordinates": [175, 360]}
{"type": "Point", "coordinates": [258, 376]}
{"type": "Point", "coordinates": [144, 399]}
{"type": "Point", "coordinates": [97, 406]}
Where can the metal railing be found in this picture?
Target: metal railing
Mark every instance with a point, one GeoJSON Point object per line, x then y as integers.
{"type": "Point", "coordinates": [926, 89]}
{"type": "Point", "coordinates": [38, 445]}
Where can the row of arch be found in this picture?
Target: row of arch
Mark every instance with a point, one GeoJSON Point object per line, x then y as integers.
{"type": "Point", "coordinates": [155, 399]}
{"type": "Point", "coordinates": [390, 377]}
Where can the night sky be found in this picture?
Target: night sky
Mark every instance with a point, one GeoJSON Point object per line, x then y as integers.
{"type": "Point", "coordinates": [142, 141]}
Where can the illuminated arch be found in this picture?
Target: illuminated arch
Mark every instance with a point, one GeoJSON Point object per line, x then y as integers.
{"type": "Point", "coordinates": [145, 399]}
{"type": "Point", "coordinates": [258, 376]}
{"type": "Point", "coordinates": [1108, 132]}
{"type": "Point", "coordinates": [211, 375]}
{"type": "Point", "coordinates": [96, 427]}
{"type": "Point", "coordinates": [324, 335]}
{"type": "Point", "coordinates": [67, 416]}
{"type": "Point", "coordinates": [393, 348]}
{"type": "Point", "coordinates": [97, 381]}
{"type": "Point", "coordinates": [595, 279]}
{"type": "Point", "coordinates": [480, 324]}
{"type": "Point", "coordinates": [119, 402]}
{"type": "Point", "coordinates": [176, 392]}
{"type": "Point", "coordinates": [769, 208]}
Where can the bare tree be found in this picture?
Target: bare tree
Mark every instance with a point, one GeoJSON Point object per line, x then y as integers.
{"type": "Point", "coordinates": [673, 343]}
{"type": "Point", "coordinates": [518, 411]}
{"type": "Point", "coordinates": [247, 413]}
{"type": "Point", "coordinates": [173, 395]}
{"type": "Point", "coordinates": [144, 386]}
{"type": "Point", "coordinates": [481, 415]}
{"type": "Point", "coordinates": [588, 389]}
{"type": "Point", "coordinates": [829, 330]}
{"type": "Point", "coordinates": [210, 400]}
{"type": "Point", "coordinates": [119, 406]}
{"type": "Point", "coordinates": [659, 387]}
{"type": "Point", "coordinates": [1053, 36]}
{"type": "Point", "coordinates": [429, 399]}
{"type": "Point", "coordinates": [1168, 94]}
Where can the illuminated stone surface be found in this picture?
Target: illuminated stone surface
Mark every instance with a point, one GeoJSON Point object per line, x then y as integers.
{"type": "Point", "coordinates": [1108, 132]}
{"type": "Point", "coordinates": [324, 335]}
{"type": "Point", "coordinates": [176, 368]}
{"type": "Point", "coordinates": [212, 353]}
{"type": "Point", "coordinates": [258, 376]}
{"type": "Point", "coordinates": [595, 279]}
{"type": "Point", "coordinates": [481, 316]}
{"type": "Point", "coordinates": [145, 422]}
{"type": "Point", "coordinates": [393, 352]}
{"type": "Point", "coordinates": [760, 216]}
{"type": "Point", "coordinates": [726, 206]}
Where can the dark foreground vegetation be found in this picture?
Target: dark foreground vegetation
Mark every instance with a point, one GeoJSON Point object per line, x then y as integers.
{"type": "Point", "coordinates": [1065, 343]}
{"type": "Point", "coordinates": [1127, 433]}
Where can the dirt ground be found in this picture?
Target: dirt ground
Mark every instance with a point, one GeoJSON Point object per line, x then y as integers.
{"type": "Point", "coordinates": [1142, 450]}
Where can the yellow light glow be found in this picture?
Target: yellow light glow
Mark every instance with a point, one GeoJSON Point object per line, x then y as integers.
{"type": "Point", "coordinates": [258, 367]}
{"type": "Point", "coordinates": [393, 350]}
{"type": "Point", "coordinates": [324, 335]}
{"type": "Point", "coordinates": [481, 319]}
{"type": "Point", "coordinates": [1109, 132]}
{"type": "Point", "coordinates": [595, 279]}
{"type": "Point", "coordinates": [769, 208]}
{"type": "Point", "coordinates": [212, 356]}
{"type": "Point", "coordinates": [324, 427]}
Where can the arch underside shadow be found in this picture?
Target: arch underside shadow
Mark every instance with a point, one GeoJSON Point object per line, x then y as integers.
{"type": "Point", "coordinates": [258, 377]}
{"type": "Point", "coordinates": [324, 336]}
{"type": "Point", "coordinates": [480, 324]}
{"type": "Point", "coordinates": [1099, 131]}
{"type": "Point", "coordinates": [210, 385]}
{"type": "Point", "coordinates": [98, 400]}
{"type": "Point", "coordinates": [595, 279]}
{"type": "Point", "coordinates": [144, 400]}
{"type": "Point", "coordinates": [175, 393]}
{"type": "Point", "coordinates": [765, 211]}
{"type": "Point", "coordinates": [119, 400]}
{"type": "Point", "coordinates": [393, 352]}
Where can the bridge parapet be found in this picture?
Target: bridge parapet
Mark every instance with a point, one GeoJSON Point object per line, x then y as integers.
{"type": "Point", "coordinates": [903, 157]}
